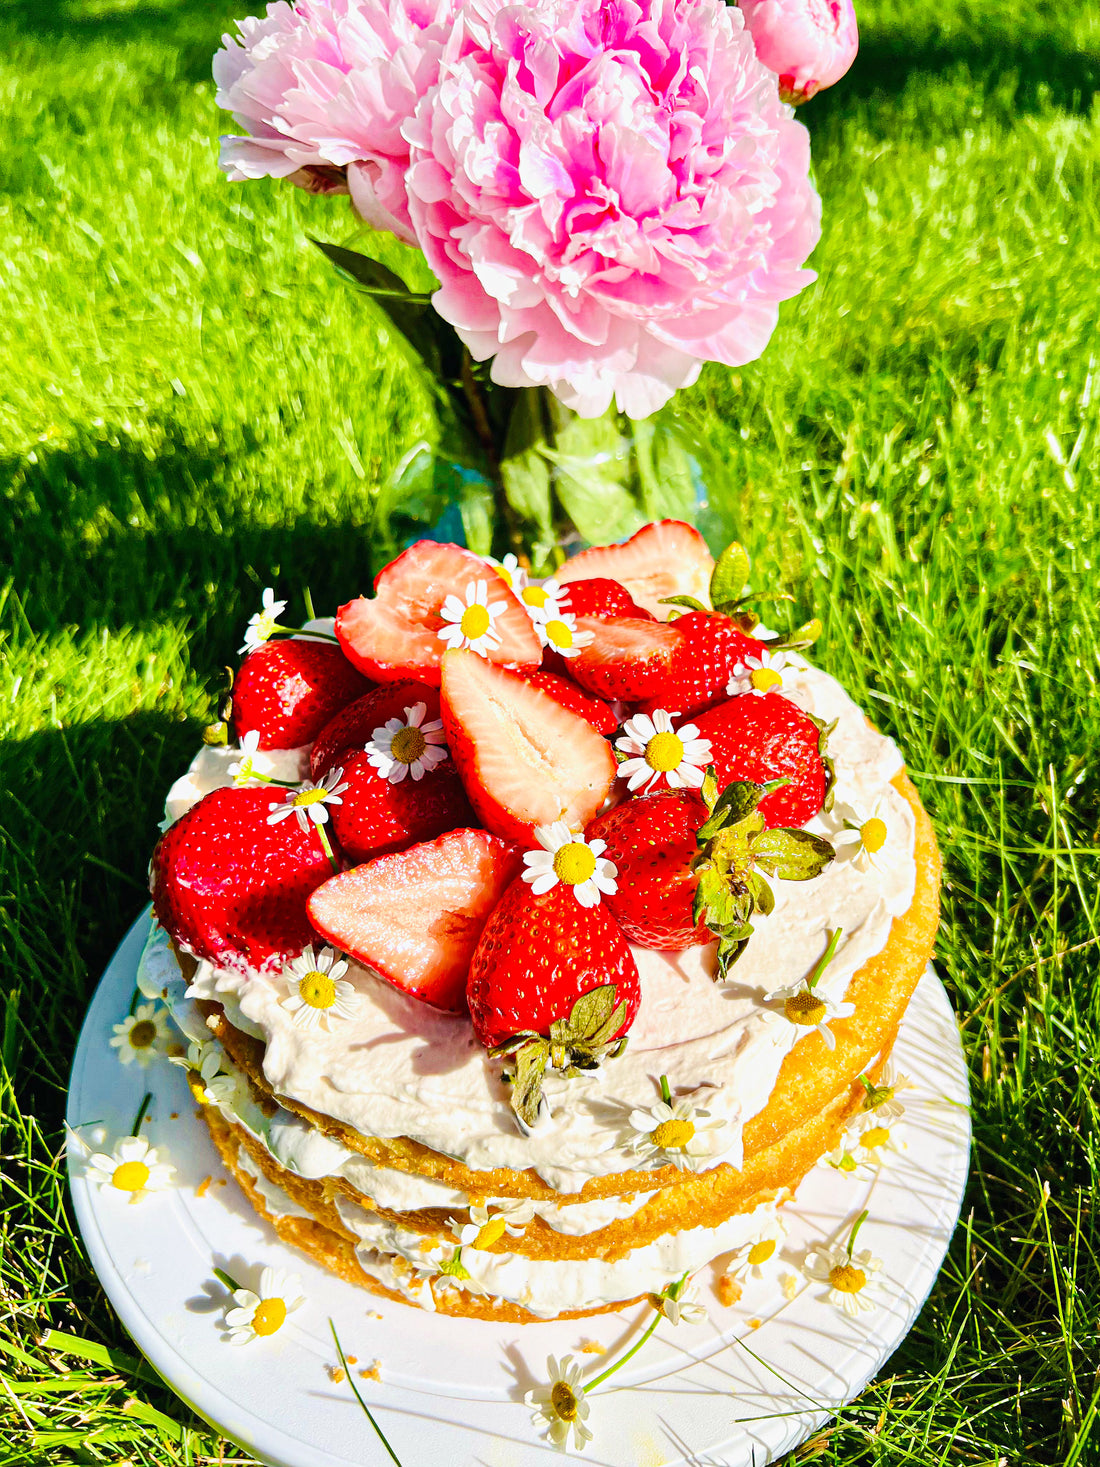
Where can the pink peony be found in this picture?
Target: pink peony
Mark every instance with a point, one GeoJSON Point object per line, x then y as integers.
{"type": "Point", "coordinates": [610, 193]}
{"type": "Point", "coordinates": [326, 85]}
{"type": "Point", "coordinates": [809, 44]}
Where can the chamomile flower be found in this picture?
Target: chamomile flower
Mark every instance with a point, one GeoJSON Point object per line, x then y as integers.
{"type": "Point", "coordinates": [319, 992]}
{"type": "Point", "coordinates": [849, 1276]}
{"type": "Point", "coordinates": [760, 1254]}
{"type": "Point", "coordinates": [559, 1407]}
{"type": "Point", "coordinates": [807, 1008]}
{"type": "Point", "coordinates": [258, 1314]}
{"type": "Point", "coordinates": [511, 1215]}
{"type": "Point", "coordinates": [560, 634]}
{"type": "Point", "coordinates": [262, 625]}
{"type": "Point", "coordinates": [871, 1141]}
{"type": "Point", "coordinates": [310, 801]}
{"type": "Point", "coordinates": [660, 751]}
{"type": "Point", "coordinates": [142, 1036]}
{"type": "Point", "coordinates": [681, 1134]}
{"type": "Point", "coordinates": [230, 1091]}
{"type": "Point", "coordinates": [241, 769]}
{"type": "Point", "coordinates": [470, 623]}
{"type": "Point", "coordinates": [451, 1269]}
{"type": "Point", "coordinates": [864, 834]}
{"type": "Point", "coordinates": [545, 601]}
{"type": "Point", "coordinates": [203, 1063]}
{"type": "Point", "coordinates": [133, 1168]}
{"type": "Point", "coordinates": [761, 674]}
{"type": "Point", "coordinates": [510, 572]}
{"type": "Point", "coordinates": [840, 1158]}
{"type": "Point", "coordinates": [411, 747]}
{"type": "Point", "coordinates": [567, 857]}
{"type": "Point", "coordinates": [682, 1307]}
{"type": "Point", "coordinates": [882, 1098]}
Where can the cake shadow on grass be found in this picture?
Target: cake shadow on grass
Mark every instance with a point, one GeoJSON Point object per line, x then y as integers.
{"type": "Point", "coordinates": [817, 1092]}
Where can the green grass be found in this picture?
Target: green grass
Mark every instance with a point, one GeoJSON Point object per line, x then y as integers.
{"type": "Point", "coordinates": [191, 409]}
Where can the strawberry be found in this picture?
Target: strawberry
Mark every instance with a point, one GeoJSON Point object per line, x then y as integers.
{"type": "Point", "coordinates": [415, 917]}
{"type": "Point", "coordinates": [353, 727]}
{"type": "Point", "coordinates": [691, 867]}
{"type": "Point", "coordinates": [524, 759]}
{"type": "Point", "coordinates": [702, 665]}
{"type": "Point", "coordinates": [626, 659]}
{"type": "Point", "coordinates": [378, 816]}
{"type": "Point", "coordinates": [547, 961]}
{"type": "Point", "coordinates": [668, 558]}
{"type": "Point", "coordinates": [564, 690]}
{"type": "Point", "coordinates": [288, 690]}
{"type": "Point", "coordinates": [652, 841]}
{"type": "Point", "coordinates": [231, 887]}
{"type": "Point", "coordinates": [764, 736]}
{"type": "Point", "coordinates": [601, 597]}
{"type": "Point", "coordinates": [396, 634]}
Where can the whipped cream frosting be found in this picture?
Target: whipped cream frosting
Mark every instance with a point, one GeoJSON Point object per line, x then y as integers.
{"type": "Point", "coordinates": [401, 1068]}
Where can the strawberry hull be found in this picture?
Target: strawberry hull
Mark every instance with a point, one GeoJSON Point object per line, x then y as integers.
{"type": "Point", "coordinates": [232, 888]}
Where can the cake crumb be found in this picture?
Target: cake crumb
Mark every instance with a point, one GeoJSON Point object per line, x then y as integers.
{"type": "Point", "coordinates": [755, 1323]}
{"type": "Point", "coordinates": [221, 1182]}
{"type": "Point", "coordinates": [200, 1190]}
{"type": "Point", "coordinates": [337, 1374]}
{"type": "Point", "coordinates": [372, 1371]}
{"type": "Point", "coordinates": [374, 1314]}
{"type": "Point", "coordinates": [789, 1285]}
{"type": "Point", "coordinates": [352, 1359]}
{"type": "Point", "coordinates": [174, 1115]}
{"type": "Point", "coordinates": [728, 1290]}
{"type": "Point", "coordinates": [592, 1347]}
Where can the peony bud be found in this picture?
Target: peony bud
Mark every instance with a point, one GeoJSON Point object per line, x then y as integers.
{"type": "Point", "coordinates": [809, 44]}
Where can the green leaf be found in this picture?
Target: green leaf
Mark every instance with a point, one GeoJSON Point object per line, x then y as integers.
{"type": "Point", "coordinates": [736, 803]}
{"type": "Point", "coordinates": [428, 335]}
{"type": "Point", "coordinates": [730, 949]}
{"type": "Point", "coordinates": [524, 467]}
{"type": "Point", "coordinates": [687, 601]}
{"type": "Point", "coordinates": [530, 1061]}
{"type": "Point", "coordinates": [664, 471]}
{"type": "Point", "coordinates": [590, 1013]}
{"type": "Point", "coordinates": [792, 855]}
{"type": "Point", "coordinates": [762, 894]}
{"type": "Point", "coordinates": [731, 572]}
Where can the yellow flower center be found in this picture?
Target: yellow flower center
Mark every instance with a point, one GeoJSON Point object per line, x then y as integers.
{"type": "Point", "coordinates": [762, 1251]}
{"type": "Point", "coordinates": [564, 1401]}
{"type": "Point", "coordinates": [875, 1137]}
{"type": "Point", "coordinates": [873, 835]}
{"type": "Point", "coordinates": [318, 990]}
{"type": "Point", "coordinates": [270, 1315]}
{"type": "Point", "coordinates": [131, 1176]}
{"type": "Point", "coordinates": [505, 574]}
{"type": "Point", "coordinates": [846, 1278]}
{"type": "Point", "coordinates": [475, 622]}
{"type": "Point", "coordinates": [764, 679]}
{"type": "Point", "coordinates": [878, 1095]}
{"type": "Point", "coordinates": [143, 1033]}
{"type": "Point", "coordinates": [197, 1086]}
{"type": "Point", "coordinates": [264, 627]}
{"type": "Point", "coordinates": [804, 1008]}
{"type": "Point", "coordinates": [574, 863]}
{"type": "Point", "coordinates": [664, 752]}
{"type": "Point", "coordinates": [673, 1135]}
{"type": "Point", "coordinates": [535, 596]}
{"type": "Point", "coordinates": [244, 773]}
{"type": "Point", "coordinates": [408, 745]}
{"type": "Point", "coordinates": [310, 797]}
{"type": "Point", "coordinates": [558, 634]}
{"type": "Point", "coordinates": [491, 1233]}
{"type": "Point", "coordinates": [847, 1163]}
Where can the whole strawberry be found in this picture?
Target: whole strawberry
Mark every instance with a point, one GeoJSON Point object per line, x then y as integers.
{"type": "Point", "coordinates": [551, 982]}
{"type": "Point", "coordinates": [354, 726]}
{"type": "Point", "coordinates": [601, 597]}
{"type": "Point", "coordinates": [286, 691]}
{"type": "Point", "coordinates": [564, 691]}
{"type": "Point", "coordinates": [702, 666]}
{"type": "Point", "coordinates": [653, 840]}
{"type": "Point", "coordinates": [379, 815]}
{"type": "Point", "coordinates": [763, 737]}
{"type": "Point", "coordinates": [231, 886]}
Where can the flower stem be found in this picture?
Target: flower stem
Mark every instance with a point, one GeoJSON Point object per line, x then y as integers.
{"type": "Point", "coordinates": [142, 1108]}
{"type": "Point", "coordinates": [860, 1220]}
{"type": "Point", "coordinates": [825, 959]}
{"type": "Point", "coordinates": [224, 1278]}
{"type": "Point", "coordinates": [355, 1390]}
{"type": "Point", "coordinates": [327, 847]}
{"type": "Point", "coordinates": [611, 1369]}
{"type": "Point", "coordinates": [666, 1093]}
{"type": "Point", "coordinates": [304, 632]}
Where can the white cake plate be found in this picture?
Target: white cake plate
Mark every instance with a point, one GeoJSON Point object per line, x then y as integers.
{"type": "Point", "coordinates": [738, 1391]}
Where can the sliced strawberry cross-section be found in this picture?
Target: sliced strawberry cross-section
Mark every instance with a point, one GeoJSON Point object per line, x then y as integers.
{"type": "Point", "coordinates": [416, 917]}
{"type": "Point", "coordinates": [524, 759]}
{"type": "Point", "coordinates": [667, 558]}
{"type": "Point", "coordinates": [396, 633]}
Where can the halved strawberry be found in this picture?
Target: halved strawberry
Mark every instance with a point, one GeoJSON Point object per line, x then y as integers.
{"type": "Point", "coordinates": [564, 691]}
{"type": "Point", "coordinates": [626, 659]}
{"type": "Point", "coordinates": [763, 737]}
{"type": "Point", "coordinates": [668, 558]}
{"type": "Point", "coordinates": [378, 816]}
{"type": "Point", "coordinates": [395, 634]}
{"type": "Point", "coordinates": [524, 759]}
{"type": "Point", "coordinates": [599, 596]}
{"type": "Point", "coordinates": [286, 691]}
{"type": "Point", "coordinates": [353, 727]}
{"type": "Point", "coordinates": [416, 917]}
{"type": "Point", "coordinates": [231, 887]}
{"type": "Point", "coordinates": [703, 664]}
